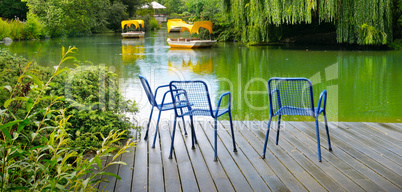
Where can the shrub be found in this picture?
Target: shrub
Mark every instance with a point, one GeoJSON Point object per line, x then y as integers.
{"type": "Point", "coordinates": [43, 160]}
{"type": "Point", "coordinates": [154, 24]}
{"type": "Point", "coordinates": [32, 28]}
{"type": "Point", "coordinates": [13, 29]}
{"type": "Point", "coordinates": [92, 99]}
{"type": "Point", "coordinates": [17, 30]}
{"type": "Point", "coordinates": [5, 29]}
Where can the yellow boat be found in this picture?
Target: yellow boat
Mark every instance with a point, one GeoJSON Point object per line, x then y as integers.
{"type": "Point", "coordinates": [174, 24]}
{"type": "Point", "coordinates": [132, 34]}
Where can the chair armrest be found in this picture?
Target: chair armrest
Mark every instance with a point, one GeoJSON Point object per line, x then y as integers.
{"type": "Point", "coordinates": [176, 98]}
{"type": "Point", "coordinates": [163, 98]}
{"type": "Point", "coordinates": [323, 95]}
{"type": "Point", "coordinates": [220, 100]}
{"type": "Point", "coordinates": [162, 86]}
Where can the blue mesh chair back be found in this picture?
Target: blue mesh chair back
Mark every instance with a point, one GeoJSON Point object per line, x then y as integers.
{"type": "Point", "coordinates": [147, 90]}
{"type": "Point", "coordinates": [294, 96]}
{"type": "Point", "coordinates": [197, 95]}
{"type": "Point", "coordinates": [192, 98]}
{"type": "Point", "coordinates": [163, 106]}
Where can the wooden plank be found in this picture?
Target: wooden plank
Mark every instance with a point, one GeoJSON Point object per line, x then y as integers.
{"type": "Point", "coordinates": [170, 169]}
{"type": "Point", "coordinates": [215, 169]}
{"type": "Point", "coordinates": [307, 161]}
{"type": "Point", "coordinates": [392, 160]}
{"type": "Point", "coordinates": [372, 159]}
{"type": "Point", "coordinates": [204, 178]}
{"type": "Point", "coordinates": [338, 158]}
{"type": "Point", "coordinates": [328, 165]}
{"type": "Point", "coordinates": [285, 157]}
{"type": "Point", "coordinates": [354, 158]}
{"type": "Point", "coordinates": [251, 153]}
{"type": "Point", "coordinates": [388, 130]}
{"type": "Point", "coordinates": [378, 137]}
{"type": "Point", "coordinates": [254, 138]}
{"type": "Point", "coordinates": [126, 171]}
{"type": "Point", "coordinates": [110, 182]}
{"type": "Point", "coordinates": [140, 175]}
{"type": "Point", "coordinates": [224, 157]}
{"type": "Point", "coordinates": [102, 184]}
{"type": "Point", "coordinates": [155, 170]}
{"type": "Point", "coordinates": [186, 172]}
{"type": "Point", "coordinates": [241, 160]}
{"type": "Point", "coordinates": [399, 125]}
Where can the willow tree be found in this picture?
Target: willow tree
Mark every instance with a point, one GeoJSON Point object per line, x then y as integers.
{"type": "Point", "coordinates": [365, 22]}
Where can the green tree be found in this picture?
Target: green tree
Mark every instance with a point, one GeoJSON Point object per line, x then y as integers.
{"type": "Point", "coordinates": [133, 6]}
{"type": "Point", "coordinates": [13, 8]}
{"type": "Point", "coordinates": [71, 18]}
{"type": "Point", "coordinates": [367, 22]}
{"type": "Point", "coordinates": [174, 6]}
{"type": "Point", "coordinates": [116, 14]}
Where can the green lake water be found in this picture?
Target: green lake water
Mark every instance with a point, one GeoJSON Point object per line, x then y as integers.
{"type": "Point", "coordinates": [362, 85]}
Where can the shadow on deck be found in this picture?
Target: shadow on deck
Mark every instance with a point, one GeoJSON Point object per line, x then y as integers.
{"type": "Point", "coordinates": [365, 157]}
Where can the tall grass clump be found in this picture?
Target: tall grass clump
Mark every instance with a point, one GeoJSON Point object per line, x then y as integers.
{"type": "Point", "coordinates": [19, 30]}
{"type": "Point", "coordinates": [5, 30]}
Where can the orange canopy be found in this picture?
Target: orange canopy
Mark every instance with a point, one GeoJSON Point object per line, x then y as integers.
{"type": "Point", "coordinates": [176, 23]}
{"type": "Point", "coordinates": [136, 23]}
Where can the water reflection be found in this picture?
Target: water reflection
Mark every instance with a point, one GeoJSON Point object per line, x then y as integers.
{"type": "Point", "coordinates": [361, 85]}
{"type": "Point", "coordinates": [190, 60]}
{"type": "Point", "coordinates": [132, 49]}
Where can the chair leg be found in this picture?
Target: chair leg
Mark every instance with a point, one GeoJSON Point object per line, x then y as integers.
{"type": "Point", "coordinates": [318, 139]}
{"type": "Point", "coordinates": [277, 133]}
{"type": "Point", "coordinates": [192, 133]}
{"type": "Point", "coordinates": [231, 127]}
{"type": "Point", "coordinates": [192, 128]}
{"type": "Point", "coordinates": [149, 122]}
{"type": "Point", "coordinates": [173, 133]}
{"type": "Point", "coordinates": [184, 126]}
{"type": "Point", "coordinates": [216, 141]}
{"type": "Point", "coordinates": [266, 138]}
{"type": "Point", "coordinates": [326, 127]}
{"type": "Point", "coordinates": [156, 129]}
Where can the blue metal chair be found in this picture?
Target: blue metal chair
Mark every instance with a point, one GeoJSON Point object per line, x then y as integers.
{"type": "Point", "coordinates": [161, 107]}
{"type": "Point", "coordinates": [294, 96]}
{"type": "Point", "coordinates": [195, 97]}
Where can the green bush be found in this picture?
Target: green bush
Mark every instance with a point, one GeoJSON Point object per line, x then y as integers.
{"type": "Point", "coordinates": [32, 28]}
{"type": "Point", "coordinates": [13, 29]}
{"type": "Point", "coordinates": [5, 29]}
{"type": "Point", "coordinates": [43, 159]}
{"type": "Point", "coordinates": [92, 98]}
{"type": "Point", "coordinates": [17, 30]}
{"type": "Point", "coordinates": [154, 24]}
{"type": "Point", "coordinates": [94, 101]}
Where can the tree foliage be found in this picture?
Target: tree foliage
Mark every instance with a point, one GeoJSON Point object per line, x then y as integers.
{"type": "Point", "coordinates": [365, 22]}
{"type": "Point", "coordinates": [76, 17]}
{"type": "Point", "coordinates": [11, 9]}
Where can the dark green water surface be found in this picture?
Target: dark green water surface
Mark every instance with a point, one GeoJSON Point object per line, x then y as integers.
{"type": "Point", "coordinates": [362, 85]}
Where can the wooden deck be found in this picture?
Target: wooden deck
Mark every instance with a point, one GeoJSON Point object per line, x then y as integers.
{"type": "Point", "coordinates": [365, 157]}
